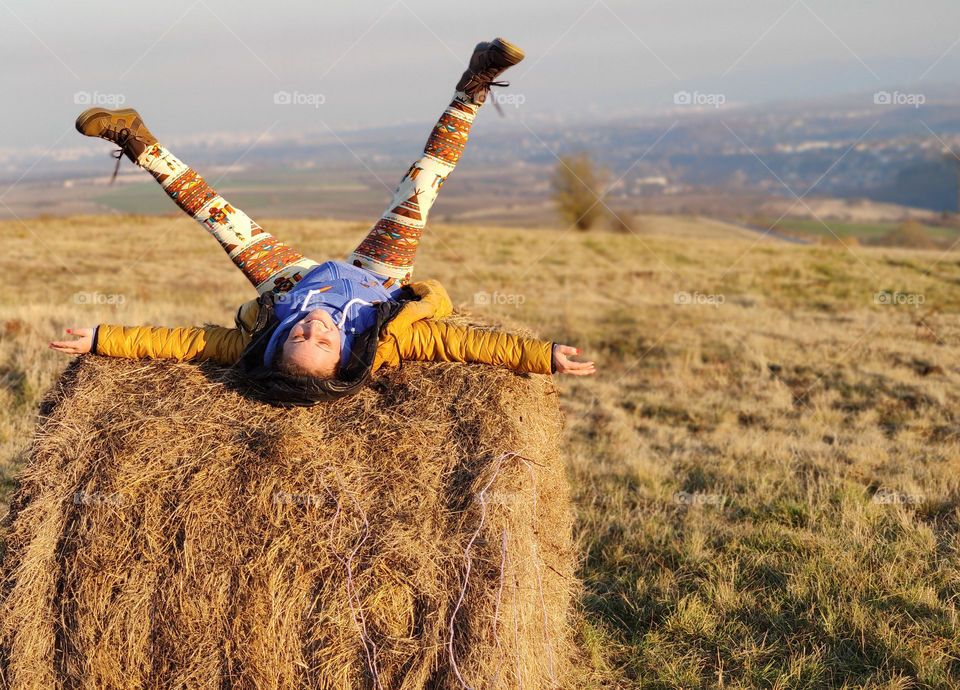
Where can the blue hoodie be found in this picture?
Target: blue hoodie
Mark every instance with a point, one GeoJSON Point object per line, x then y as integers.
{"type": "Point", "coordinates": [335, 287]}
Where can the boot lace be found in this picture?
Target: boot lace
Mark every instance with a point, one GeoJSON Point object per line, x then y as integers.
{"type": "Point", "coordinates": [484, 84]}
{"type": "Point", "coordinates": [121, 138]}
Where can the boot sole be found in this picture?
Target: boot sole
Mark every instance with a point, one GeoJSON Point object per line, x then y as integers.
{"type": "Point", "coordinates": [83, 119]}
{"type": "Point", "coordinates": [513, 53]}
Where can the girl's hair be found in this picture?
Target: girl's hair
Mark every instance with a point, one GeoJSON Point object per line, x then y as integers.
{"type": "Point", "coordinates": [291, 369]}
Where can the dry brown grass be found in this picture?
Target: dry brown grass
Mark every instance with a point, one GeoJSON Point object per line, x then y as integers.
{"type": "Point", "coordinates": [796, 400]}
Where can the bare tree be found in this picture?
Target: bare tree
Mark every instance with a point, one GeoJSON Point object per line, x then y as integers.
{"type": "Point", "coordinates": [578, 190]}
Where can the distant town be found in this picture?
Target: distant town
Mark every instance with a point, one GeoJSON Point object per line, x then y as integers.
{"type": "Point", "coordinates": [714, 158]}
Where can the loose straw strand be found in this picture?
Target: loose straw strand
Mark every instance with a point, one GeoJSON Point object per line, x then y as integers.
{"type": "Point", "coordinates": [352, 593]}
{"type": "Point", "coordinates": [536, 563]}
{"type": "Point", "coordinates": [466, 576]}
{"type": "Point", "coordinates": [516, 622]}
{"type": "Point", "coordinates": [496, 610]}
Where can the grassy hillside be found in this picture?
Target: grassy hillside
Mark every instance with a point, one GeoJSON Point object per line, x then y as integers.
{"type": "Point", "coordinates": [892, 234]}
{"type": "Point", "coordinates": [766, 469]}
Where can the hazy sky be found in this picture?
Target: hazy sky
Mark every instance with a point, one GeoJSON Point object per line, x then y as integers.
{"type": "Point", "coordinates": [196, 66]}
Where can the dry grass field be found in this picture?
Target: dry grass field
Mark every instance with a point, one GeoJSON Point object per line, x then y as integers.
{"type": "Point", "coordinates": [766, 469]}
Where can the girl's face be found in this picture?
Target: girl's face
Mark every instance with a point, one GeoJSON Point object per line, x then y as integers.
{"type": "Point", "coordinates": [313, 345]}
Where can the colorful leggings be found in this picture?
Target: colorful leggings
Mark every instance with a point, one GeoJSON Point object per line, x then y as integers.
{"type": "Point", "coordinates": [389, 249]}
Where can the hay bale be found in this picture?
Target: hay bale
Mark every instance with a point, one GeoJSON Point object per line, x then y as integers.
{"type": "Point", "coordinates": [170, 533]}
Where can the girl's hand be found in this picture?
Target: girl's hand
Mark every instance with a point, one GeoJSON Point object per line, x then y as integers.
{"type": "Point", "coordinates": [75, 347]}
{"type": "Point", "coordinates": [565, 365]}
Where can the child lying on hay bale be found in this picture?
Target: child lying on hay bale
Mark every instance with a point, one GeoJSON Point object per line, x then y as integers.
{"type": "Point", "coordinates": [317, 331]}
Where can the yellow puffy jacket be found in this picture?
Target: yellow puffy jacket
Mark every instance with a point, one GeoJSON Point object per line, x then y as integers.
{"type": "Point", "coordinates": [417, 332]}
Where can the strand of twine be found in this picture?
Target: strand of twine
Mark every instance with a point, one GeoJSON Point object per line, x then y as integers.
{"type": "Point", "coordinates": [356, 594]}
{"type": "Point", "coordinates": [466, 576]}
{"type": "Point", "coordinates": [536, 564]}
{"type": "Point", "coordinates": [516, 624]}
{"type": "Point", "coordinates": [352, 593]}
{"type": "Point", "coordinates": [496, 610]}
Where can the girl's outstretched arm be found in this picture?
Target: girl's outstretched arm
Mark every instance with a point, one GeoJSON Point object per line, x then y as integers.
{"type": "Point", "coordinates": [223, 345]}
{"type": "Point", "coordinates": [438, 340]}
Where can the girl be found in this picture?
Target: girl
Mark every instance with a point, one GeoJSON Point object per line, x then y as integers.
{"type": "Point", "coordinates": [317, 331]}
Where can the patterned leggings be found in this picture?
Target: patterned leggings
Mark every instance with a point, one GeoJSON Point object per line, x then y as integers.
{"type": "Point", "coordinates": [389, 249]}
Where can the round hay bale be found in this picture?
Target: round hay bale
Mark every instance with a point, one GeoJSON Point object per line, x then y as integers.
{"type": "Point", "coordinates": [170, 533]}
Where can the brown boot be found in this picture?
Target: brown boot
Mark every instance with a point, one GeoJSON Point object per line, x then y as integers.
{"type": "Point", "coordinates": [123, 127]}
{"type": "Point", "coordinates": [488, 61]}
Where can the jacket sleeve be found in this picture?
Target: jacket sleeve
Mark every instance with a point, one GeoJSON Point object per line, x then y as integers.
{"type": "Point", "coordinates": [223, 345]}
{"type": "Point", "coordinates": [247, 316]}
{"type": "Point", "coordinates": [444, 342]}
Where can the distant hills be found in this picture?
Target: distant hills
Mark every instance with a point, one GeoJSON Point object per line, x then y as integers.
{"type": "Point", "coordinates": [884, 146]}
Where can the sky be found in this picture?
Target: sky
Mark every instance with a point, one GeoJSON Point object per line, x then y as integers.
{"type": "Point", "coordinates": [195, 67]}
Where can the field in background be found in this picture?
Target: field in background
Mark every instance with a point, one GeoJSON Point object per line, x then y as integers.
{"type": "Point", "coordinates": [513, 194]}
{"type": "Point", "coordinates": [913, 234]}
{"type": "Point", "coordinates": [766, 469]}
